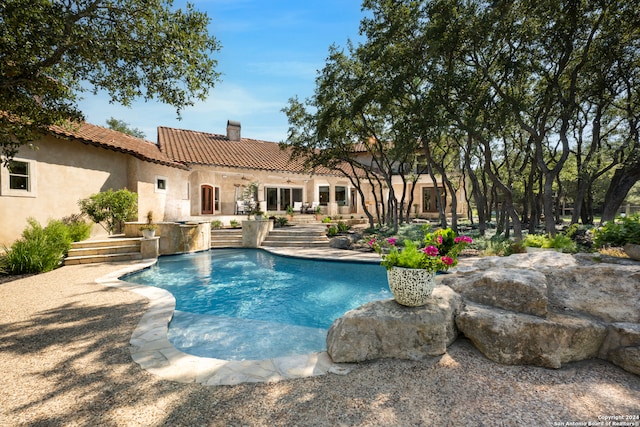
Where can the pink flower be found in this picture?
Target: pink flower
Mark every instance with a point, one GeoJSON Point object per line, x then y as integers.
{"type": "Point", "coordinates": [372, 242]}
{"type": "Point", "coordinates": [465, 239]}
{"type": "Point", "coordinates": [447, 260]}
{"type": "Point", "coordinates": [439, 240]}
{"type": "Point", "coordinates": [392, 241]}
{"type": "Point", "coordinates": [431, 250]}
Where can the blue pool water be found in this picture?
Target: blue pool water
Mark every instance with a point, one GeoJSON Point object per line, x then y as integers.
{"type": "Point", "coordinates": [248, 304]}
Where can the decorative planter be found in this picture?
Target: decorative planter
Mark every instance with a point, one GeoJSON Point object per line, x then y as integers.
{"type": "Point", "coordinates": [411, 286]}
{"type": "Point", "coordinates": [148, 234]}
{"type": "Point", "coordinates": [632, 250]}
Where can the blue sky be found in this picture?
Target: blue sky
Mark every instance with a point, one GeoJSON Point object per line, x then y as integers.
{"type": "Point", "coordinates": [271, 51]}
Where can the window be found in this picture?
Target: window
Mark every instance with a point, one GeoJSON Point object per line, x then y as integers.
{"type": "Point", "coordinates": [18, 175]}
{"type": "Point", "coordinates": [324, 195]}
{"type": "Point", "coordinates": [18, 178]}
{"type": "Point", "coordinates": [161, 184]}
{"type": "Point", "coordinates": [341, 195]}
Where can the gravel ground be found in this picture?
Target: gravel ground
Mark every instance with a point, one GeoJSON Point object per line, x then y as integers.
{"type": "Point", "coordinates": [64, 361]}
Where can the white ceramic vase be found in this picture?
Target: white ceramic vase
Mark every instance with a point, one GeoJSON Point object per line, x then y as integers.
{"type": "Point", "coordinates": [411, 286]}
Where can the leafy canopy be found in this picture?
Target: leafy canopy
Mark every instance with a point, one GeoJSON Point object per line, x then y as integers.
{"type": "Point", "coordinates": [52, 51]}
{"type": "Point", "coordinates": [123, 127]}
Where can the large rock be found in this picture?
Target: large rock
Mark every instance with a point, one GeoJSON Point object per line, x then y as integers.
{"type": "Point", "coordinates": [521, 339]}
{"type": "Point", "coordinates": [622, 346]}
{"type": "Point", "coordinates": [607, 292]}
{"type": "Point", "coordinates": [514, 289]}
{"type": "Point", "coordinates": [386, 329]}
{"type": "Point", "coordinates": [541, 261]}
{"type": "Point", "coordinates": [340, 242]}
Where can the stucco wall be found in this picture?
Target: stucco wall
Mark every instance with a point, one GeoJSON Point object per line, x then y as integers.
{"type": "Point", "coordinates": [65, 171]}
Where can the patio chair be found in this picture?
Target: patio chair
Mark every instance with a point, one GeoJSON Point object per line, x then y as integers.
{"type": "Point", "coordinates": [240, 209]}
{"type": "Point", "coordinates": [297, 207]}
{"type": "Point", "coordinates": [313, 207]}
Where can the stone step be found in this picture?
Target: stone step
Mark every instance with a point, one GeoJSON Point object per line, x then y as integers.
{"type": "Point", "coordinates": [123, 241]}
{"type": "Point", "coordinates": [300, 244]}
{"type": "Point", "coordinates": [92, 259]}
{"type": "Point", "coordinates": [104, 250]}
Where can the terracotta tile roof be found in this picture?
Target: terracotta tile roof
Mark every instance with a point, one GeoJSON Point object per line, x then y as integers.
{"type": "Point", "coordinates": [116, 141]}
{"type": "Point", "coordinates": [188, 146]}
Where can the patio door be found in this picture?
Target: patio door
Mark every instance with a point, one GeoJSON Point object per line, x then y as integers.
{"type": "Point", "coordinates": [207, 199]}
{"type": "Point", "coordinates": [278, 198]}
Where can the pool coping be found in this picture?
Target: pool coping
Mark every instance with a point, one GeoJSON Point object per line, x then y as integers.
{"type": "Point", "coordinates": [152, 350]}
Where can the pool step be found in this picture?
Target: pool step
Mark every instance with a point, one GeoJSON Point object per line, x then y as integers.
{"type": "Point", "coordinates": [106, 250]}
{"type": "Point", "coordinates": [226, 238]}
{"type": "Point", "coordinates": [298, 237]}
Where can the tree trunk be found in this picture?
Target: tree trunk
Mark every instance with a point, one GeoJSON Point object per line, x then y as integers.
{"type": "Point", "coordinates": [622, 181]}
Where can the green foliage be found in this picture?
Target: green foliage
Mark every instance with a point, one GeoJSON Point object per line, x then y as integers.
{"type": "Point", "coordinates": [343, 227]}
{"type": "Point", "coordinates": [111, 208]}
{"type": "Point", "coordinates": [290, 210]}
{"type": "Point", "coordinates": [77, 228]}
{"type": "Point", "coordinates": [233, 223]}
{"type": "Point", "coordinates": [123, 127]}
{"type": "Point", "coordinates": [619, 232]}
{"type": "Point", "coordinates": [332, 231]}
{"type": "Point", "coordinates": [438, 253]}
{"type": "Point", "coordinates": [53, 51]}
{"type": "Point", "coordinates": [559, 242]}
{"type": "Point", "coordinates": [40, 249]}
{"type": "Point", "coordinates": [281, 221]}
{"type": "Point", "coordinates": [534, 241]}
{"type": "Point", "coordinates": [326, 220]}
{"type": "Point", "coordinates": [216, 224]}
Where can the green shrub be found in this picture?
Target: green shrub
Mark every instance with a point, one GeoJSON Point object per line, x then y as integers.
{"type": "Point", "coordinates": [281, 221]}
{"type": "Point", "coordinates": [39, 249]}
{"type": "Point", "coordinates": [332, 231]}
{"type": "Point", "coordinates": [343, 227]}
{"type": "Point", "coordinates": [112, 208]}
{"type": "Point", "coordinates": [216, 224]}
{"type": "Point", "coordinates": [233, 223]}
{"type": "Point", "coordinates": [77, 228]}
{"type": "Point", "coordinates": [326, 220]}
{"type": "Point", "coordinates": [560, 242]}
{"type": "Point", "coordinates": [534, 240]}
{"type": "Point", "coordinates": [618, 233]}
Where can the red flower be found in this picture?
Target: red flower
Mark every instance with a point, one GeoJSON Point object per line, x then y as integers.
{"type": "Point", "coordinates": [431, 250]}
{"type": "Point", "coordinates": [447, 260]}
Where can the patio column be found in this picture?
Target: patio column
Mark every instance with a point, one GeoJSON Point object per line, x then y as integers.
{"type": "Point", "coordinates": [332, 207]}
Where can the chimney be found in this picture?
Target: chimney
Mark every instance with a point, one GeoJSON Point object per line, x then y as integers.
{"type": "Point", "coordinates": [233, 130]}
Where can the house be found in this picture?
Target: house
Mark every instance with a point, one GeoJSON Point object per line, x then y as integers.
{"type": "Point", "coordinates": [222, 166]}
{"type": "Point", "coordinates": [188, 175]}
{"type": "Point", "coordinates": [74, 162]}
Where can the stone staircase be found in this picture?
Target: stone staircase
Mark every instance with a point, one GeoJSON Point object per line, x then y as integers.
{"type": "Point", "coordinates": [298, 237]}
{"type": "Point", "coordinates": [107, 250]}
{"type": "Point", "coordinates": [226, 238]}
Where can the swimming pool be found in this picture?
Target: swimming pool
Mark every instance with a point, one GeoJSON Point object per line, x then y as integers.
{"type": "Point", "coordinates": [248, 304]}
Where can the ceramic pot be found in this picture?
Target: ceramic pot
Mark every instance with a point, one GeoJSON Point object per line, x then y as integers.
{"type": "Point", "coordinates": [148, 234]}
{"type": "Point", "coordinates": [411, 286]}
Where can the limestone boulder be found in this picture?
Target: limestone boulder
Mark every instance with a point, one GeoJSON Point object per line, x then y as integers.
{"type": "Point", "coordinates": [386, 329]}
{"type": "Point", "coordinates": [340, 242]}
{"type": "Point", "coordinates": [521, 339]}
{"type": "Point", "coordinates": [622, 346]}
{"type": "Point", "coordinates": [541, 261]}
{"type": "Point", "coordinates": [607, 292]}
{"type": "Point", "coordinates": [514, 289]}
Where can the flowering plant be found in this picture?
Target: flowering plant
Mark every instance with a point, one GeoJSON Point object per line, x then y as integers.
{"type": "Point", "coordinates": [439, 253]}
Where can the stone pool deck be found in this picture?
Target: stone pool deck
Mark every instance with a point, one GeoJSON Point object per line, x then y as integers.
{"type": "Point", "coordinates": [151, 349]}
